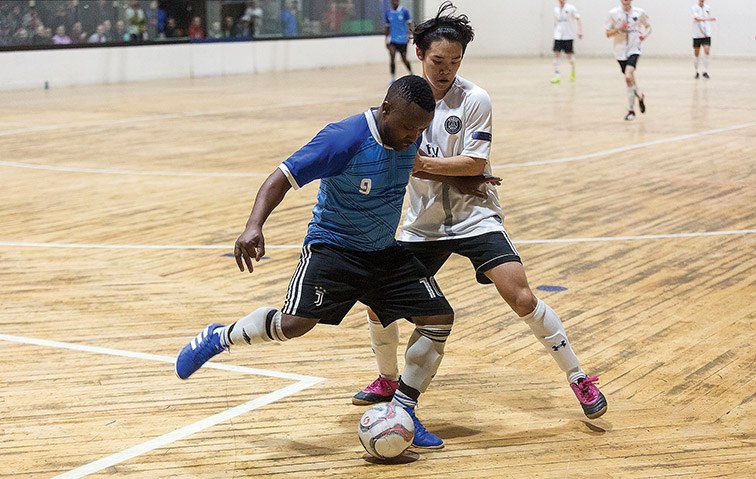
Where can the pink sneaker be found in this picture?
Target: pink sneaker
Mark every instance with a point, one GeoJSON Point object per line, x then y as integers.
{"type": "Point", "coordinates": [593, 402]}
{"type": "Point", "coordinates": [380, 390]}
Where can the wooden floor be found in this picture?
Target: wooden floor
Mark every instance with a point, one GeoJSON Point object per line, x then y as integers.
{"type": "Point", "coordinates": [119, 205]}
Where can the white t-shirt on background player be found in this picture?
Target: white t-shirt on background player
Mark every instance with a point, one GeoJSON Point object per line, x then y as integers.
{"type": "Point", "coordinates": [564, 22]}
{"type": "Point", "coordinates": [629, 42]}
{"type": "Point", "coordinates": [701, 29]}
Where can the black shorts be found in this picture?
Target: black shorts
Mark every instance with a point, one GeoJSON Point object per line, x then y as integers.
{"type": "Point", "coordinates": [329, 280]}
{"type": "Point", "coordinates": [697, 42]}
{"type": "Point", "coordinates": [484, 252]}
{"type": "Point", "coordinates": [563, 46]}
{"type": "Point", "coordinates": [632, 61]}
{"type": "Point", "coordinates": [400, 47]}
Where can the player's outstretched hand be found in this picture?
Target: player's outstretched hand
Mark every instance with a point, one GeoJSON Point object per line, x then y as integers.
{"type": "Point", "coordinates": [250, 244]}
{"type": "Point", "coordinates": [470, 185]}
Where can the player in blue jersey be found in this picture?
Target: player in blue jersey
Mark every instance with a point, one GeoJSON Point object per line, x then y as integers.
{"type": "Point", "coordinates": [398, 28]}
{"type": "Point", "coordinates": [364, 163]}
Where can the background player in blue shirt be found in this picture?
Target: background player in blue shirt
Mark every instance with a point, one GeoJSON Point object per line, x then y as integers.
{"type": "Point", "coordinates": [398, 26]}
{"type": "Point", "coordinates": [349, 254]}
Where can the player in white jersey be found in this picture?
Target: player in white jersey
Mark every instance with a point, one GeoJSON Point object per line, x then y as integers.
{"type": "Point", "coordinates": [566, 18]}
{"type": "Point", "coordinates": [702, 34]}
{"type": "Point", "coordinates": [440, 221]}
{"type": "Point", "coordinates": [629, 27]}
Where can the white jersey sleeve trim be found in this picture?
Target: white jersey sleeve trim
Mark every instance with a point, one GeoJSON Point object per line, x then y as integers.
{"type": "Point", "coordinates": [289, 176]}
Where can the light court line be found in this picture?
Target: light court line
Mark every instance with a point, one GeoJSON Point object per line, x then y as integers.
{"type": "Point", "coordinates": [170, 116]}
{"type": "Point", "coordinates": [303, 382]}
{"type": "Point", "coordinates": [185, 431]}
{"type": "Point", "coordinates": [568, 159]}
{"type": "Point", "coordinates": [72, 169]}
{"type": "Point", "coordinates": [597, 239]}
{"type": "Point", "coordinates": [22, 244]}
{"type": "Point", "coordinates": [624, 149]}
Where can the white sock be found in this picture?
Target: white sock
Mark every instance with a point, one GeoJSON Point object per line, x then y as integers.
{"type": "Point", "coordinates": [631, 98]}
{"type": "Point", "coordinates": [425, 349]}
{"type": "Point", "coordinates": [555, 62]}
{"type": "Point", "coordinates": [385, 342]}
{"type": "Point", "coordinates": [706, 63]}
{"type": "Point", "coordinates": [548, 328]}
{"type": "Point", "coordinates": [696, 62]}
{"type": "Point", "coordinates": [261, 325]}
{"type": "Point", "coordinates": [572, 63]}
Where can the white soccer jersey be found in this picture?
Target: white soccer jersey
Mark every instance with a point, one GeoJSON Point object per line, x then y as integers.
{"type": "Point", "coordinates": [701, 29]}
{"type": "Point", "coordinates": [436, 211]}
{"type": "Point", "coordinates": [627, 43]}
{"type": "Point", "coordinates": [564, 22]}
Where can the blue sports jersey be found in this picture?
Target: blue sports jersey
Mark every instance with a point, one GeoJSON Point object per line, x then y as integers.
{"type": "Point", "coordinates": [397, 21]}
{"type": "Point", "coordinates": [362, 184]}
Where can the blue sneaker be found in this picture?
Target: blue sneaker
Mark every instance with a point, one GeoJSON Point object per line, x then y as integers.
{"type": "Point", "coordinates": [199, 350]}
{"type": "Point", "coordinates": [423, 438]}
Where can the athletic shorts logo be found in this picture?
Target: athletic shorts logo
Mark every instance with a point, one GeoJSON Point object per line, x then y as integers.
{"type": "Point", "coordinates": [453, 125]}
{"type": "Point", "coordinates": [319, 295]}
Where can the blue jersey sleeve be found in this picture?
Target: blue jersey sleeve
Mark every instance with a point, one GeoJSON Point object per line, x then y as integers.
{"type": "Point", "coordinates": [329, 153]}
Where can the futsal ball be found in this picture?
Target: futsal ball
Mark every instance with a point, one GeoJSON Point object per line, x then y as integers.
{"type": "Point", "coordinates": [386, 431]}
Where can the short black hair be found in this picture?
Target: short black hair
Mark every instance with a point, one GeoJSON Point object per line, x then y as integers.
{"type": "Point", "coordinates": [445, 26]}
{"type": "Point", "coordinates": [413, 89]}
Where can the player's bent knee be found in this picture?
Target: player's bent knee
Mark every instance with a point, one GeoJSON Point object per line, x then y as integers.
{"type": "Point", "coordinates": [433, 320]}
{"type": "Point", "coordinates": [296, 326]}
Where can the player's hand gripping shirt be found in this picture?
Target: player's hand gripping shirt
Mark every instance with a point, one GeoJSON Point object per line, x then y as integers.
{"type": "Point", "coordinates": [436, 211]}
{"type": "Point", "coordinates": [362, 184]}
{"type": "Point", "coordinates": [701, 29]}
{"type": "Point", "coordinates": [564, 22]}
{"type": "Point", "coordinates": [627, 43]}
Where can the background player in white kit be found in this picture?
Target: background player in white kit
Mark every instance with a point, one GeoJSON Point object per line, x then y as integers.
{"type": "Point", "coordinates": [629, 27]}
{"type": "Point", "coordinates": [566, 18]}
{"type": "Point", "coordinates": [441, 221]}
{"type": "Point", "coordinates": [702, 34]}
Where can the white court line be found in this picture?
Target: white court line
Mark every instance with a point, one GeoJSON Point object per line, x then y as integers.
{"type": "Point", "coordinates": [303, 382]}
{"type": "Point", "coordinates": [597, 239]}
{"type": "Point", "coordinates": [598, 154]}
{"type": "Point", "coordinates": [73, 169]}
{"type": "Point", "coordinates": [170, 116]}
{"type": "Point", "coordinates": [627, 148]}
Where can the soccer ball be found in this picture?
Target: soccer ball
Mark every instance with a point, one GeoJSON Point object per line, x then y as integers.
{"type": "Point", "coordinates": [386, 431]}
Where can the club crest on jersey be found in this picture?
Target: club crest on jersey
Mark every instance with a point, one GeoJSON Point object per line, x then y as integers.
{"type": "Point", "coordinates": [453, 125]}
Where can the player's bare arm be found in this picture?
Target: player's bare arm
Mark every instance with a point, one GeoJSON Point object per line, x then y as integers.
{"type": "Point", "coordinates": [460, 165]}
{"type": "Point", "coordinates": [251, 243]}
{"type": "Point", "coordinates": [467, 185]}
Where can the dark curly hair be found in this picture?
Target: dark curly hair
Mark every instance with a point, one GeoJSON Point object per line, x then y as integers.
{"type": "Point", "coordinates": [445, 26]}
{"type": "Point", "coordinates": [413, 89]}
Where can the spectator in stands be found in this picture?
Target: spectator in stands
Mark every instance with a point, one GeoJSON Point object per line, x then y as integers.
{"type": "Point", "coordinates": [228, 27]}
{"type": "Point", "coordinates": [77, 35]}
{"type": "Point", "coordinates": [60, 37]}
{"type": "Point", "coordinates": [119, 32]}
{"type": "Point", "coordinates": [331, 21]}
{"type": "Point", "coordinates": [254, 15]}
{"type": "Point", "coordinates": [99, 35]}
{"type": "Point", "coordinates": [21, 37]}
{"type": "Point", "coordinates": [215, 31]}
{"type": "Point", "coordinates": [156, 19]}
{"type": "Point", "coordinates": [42, 35]}
{"type": "Point", "coordinates": [289, 27]}
{"type": "Point", "coordinates": [170, 28]}
{"type": "Point", "coordinates": [196, 32]}
{"type": "Point", "coordinates": [97, 13]}
{"type": "Point", "coordinates": [107, 27]}
{"type": "Point", "coordinates": [136, 21]}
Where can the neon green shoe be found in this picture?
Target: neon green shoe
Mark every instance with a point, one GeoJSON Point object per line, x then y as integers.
{"type": "Point", "coordinates": [556, 79]}
{"type": "Point", "coordinates": [572, 76]}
